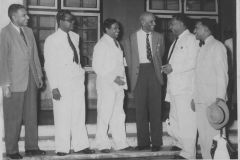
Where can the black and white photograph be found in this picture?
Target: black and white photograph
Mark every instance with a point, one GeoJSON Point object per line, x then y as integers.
{"type": "Point", "coordinates": [119, 79]}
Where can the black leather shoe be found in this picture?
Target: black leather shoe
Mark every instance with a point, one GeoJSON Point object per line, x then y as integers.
{"type": "Point", "coordinates": [105, 151]}
{"type": "Point", "coordinates": [86, 151]}
{"type": "Point", "coordinates": [175, 148]}
{"type": "Point", "coordinates": [36, 152]}
{"type": "Point", "coordinates": [178, 157]}
{"type": "Point", "coordinates": [129, 148]}
{"type": "Point", "coordinates": [140, 148]}
{"type": "Point", "coordinates": [61, 154]}
{"type": "Point", "coordinates": [156, 148]}
{"type": "Point", "coordinates": [15, 156]}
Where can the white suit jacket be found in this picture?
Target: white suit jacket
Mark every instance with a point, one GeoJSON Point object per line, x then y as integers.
{"type": "Point", "coordinates": [108, 61]}
{"type": "Point", "coordinates": [183, 62]}
{"type": "Point", "coordinates": [59, 65]}
{"type": "Point", "coordinates": [211, 72]}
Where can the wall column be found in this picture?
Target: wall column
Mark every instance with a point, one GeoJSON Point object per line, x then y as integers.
{"type": "Point", "coordinates": [238, 59]}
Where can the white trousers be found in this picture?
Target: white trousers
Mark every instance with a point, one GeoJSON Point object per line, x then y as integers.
{"type": "Point", "coordinates": [205, 130]}
{"type": "Point", "coordinates": [183, 124]}
{"type": "Point", "coordinates": [69, 118]}
{"type": "Point", "coordinates": [110, 114]}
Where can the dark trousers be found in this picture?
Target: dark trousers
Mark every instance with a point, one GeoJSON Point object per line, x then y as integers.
{"type": "Point", "coordinates": [21, 107]}
{"type": "Point", "coordinates": [147, 100]}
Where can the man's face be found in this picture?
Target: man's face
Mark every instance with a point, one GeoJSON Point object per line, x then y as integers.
{"type": "Point", "coordinates": [67, 23]}
{"type": "Point", "coordinates": [148, 23]}
{"type": "Point", "coordinates": [113, 31]}
{"type": "Point", "coordinates": [20, 17]}
{"type": "Point", "coordinates": [175, 26]}
{"type": "Point", "coordinates": [199, 31]}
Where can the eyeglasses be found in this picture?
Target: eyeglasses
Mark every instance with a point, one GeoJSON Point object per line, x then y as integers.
{"type": "Point", "coordinates": [69, 20]}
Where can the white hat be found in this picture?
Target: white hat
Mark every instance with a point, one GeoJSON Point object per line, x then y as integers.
{"type": "Point", "coordinates": [218, 114]}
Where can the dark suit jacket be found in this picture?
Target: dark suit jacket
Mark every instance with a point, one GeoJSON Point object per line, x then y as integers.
{"type": "Point", "coordinates": [132, 56]}
{"type": "Point", "coordinates": [18, 58]}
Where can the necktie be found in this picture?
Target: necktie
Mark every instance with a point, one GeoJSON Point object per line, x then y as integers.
{"type": "Point", "coordinates": [116, 43]}
{"type": "Point", "coordinates": [75, 57]}
{"type": "Point", "coordinates": [201, 43]}
{"type": "Point", "coordinates": [170, 55]}
{"type": "Point", "coordinates": [22, 35]}
{"type": "Point", "coordinates": [149, 52]}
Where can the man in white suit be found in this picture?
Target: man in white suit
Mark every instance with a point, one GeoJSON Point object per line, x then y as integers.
{"type": "Point", "coordinates": [180, 86]}
{"type": "Point", "coordinates": [66, 79]}
{"type": "Point", "coordinates": [211, 81]}
{"type": "Point", "coordinates": [111, 82]}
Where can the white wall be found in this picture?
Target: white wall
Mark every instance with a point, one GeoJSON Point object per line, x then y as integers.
{"type": "Point", "coordinates": [4, 20]}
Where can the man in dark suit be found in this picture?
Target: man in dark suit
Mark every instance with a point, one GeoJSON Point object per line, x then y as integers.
{"type": "Point", "coordinates": [22, 76]}
{"type": "Point", "coordinates": [144, 50]}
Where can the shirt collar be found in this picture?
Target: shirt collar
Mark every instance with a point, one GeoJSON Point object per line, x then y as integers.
{"type": "Point", "coordinates": [144, 33]}
{"type": "Point", "coordinates": [108, 37]}
{"type": "Point", "coordinates": [16, 27]}
{"type": "Point", "coordinates": [62, 32]}
{"type": "Point", "coordinates": [183, 33]}
{"type": "Point", "coordinates": [208, 39]}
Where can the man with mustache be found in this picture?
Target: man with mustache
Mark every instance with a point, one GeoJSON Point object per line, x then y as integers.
{"type": "Point", "coordinates": [144, 50]}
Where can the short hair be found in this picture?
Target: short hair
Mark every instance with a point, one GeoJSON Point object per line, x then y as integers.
{"type": "Point", "coordinates": [183, 18]}
{"type": "Point", "coordinates": [108, 23]}
{"type": "Point", "coordinates": [144, 14]}
{"type": "Point", "coordinates": [210, 24]}
{"type": "Point", "coordinates": [61, 15]}
{"type": "Point", "coordinates": [13, 8]}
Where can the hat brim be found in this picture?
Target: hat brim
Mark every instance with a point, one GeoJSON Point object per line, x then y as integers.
{"type": "Point", "coordinates": [224, 107]}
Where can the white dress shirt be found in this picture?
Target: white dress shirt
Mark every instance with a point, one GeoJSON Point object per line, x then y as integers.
{"type": "Point", "coordinates": [59, 64]}
{"type": "Point", "coordinates": [211, 72]}
{"type": "Point", "coordinates": [142, 46]}
{"type": "Point", "coordinates": [108, 61]}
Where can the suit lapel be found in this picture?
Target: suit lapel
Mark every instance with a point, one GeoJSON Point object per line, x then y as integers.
{"type": "Point", "coordinates": [26, 37]}
{"type": "Point", "coordinates": [154, 43]}
{"type": "Point", "coordinates": [17, 38]}
{"type": "Point", "coordinates": [135, 46]}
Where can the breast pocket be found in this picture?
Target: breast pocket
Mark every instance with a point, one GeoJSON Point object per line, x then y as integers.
{"type": "Point", "coordinates": [181, 53]}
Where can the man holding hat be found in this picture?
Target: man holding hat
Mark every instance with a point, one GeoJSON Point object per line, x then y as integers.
{"type": "Point", "coordinates": [210, 86]}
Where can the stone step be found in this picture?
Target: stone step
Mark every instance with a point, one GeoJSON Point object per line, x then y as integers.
{"type": "Point", "coordinates": [48, 130]}
{"type": "Point", "coordinates": [46, 136]}
{"type": "Point", "coordinates": [165, 152]}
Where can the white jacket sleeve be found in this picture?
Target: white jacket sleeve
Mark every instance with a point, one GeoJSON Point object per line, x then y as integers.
{"type": "Point", "coordinates": [51, 63]}
{"type": "Point", "coordinates": [221, 69]}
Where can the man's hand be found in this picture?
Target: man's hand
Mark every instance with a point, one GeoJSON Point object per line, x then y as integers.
{"type": "Point", "coordinates": [167, 68]}
{"type": "Point", "coordinates": [6, 91]}
{"type": "Point", "coordinates": [56, 94]}
{"type": "Point", "coordinates": [119, 80]}
{"type": "Point", "coordinates": [219, 100]}
{"type": "Point", "coordinates": [40, 83]}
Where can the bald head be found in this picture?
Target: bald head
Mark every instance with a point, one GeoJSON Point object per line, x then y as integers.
{"type": "Point", "coordinates": [147, 21]}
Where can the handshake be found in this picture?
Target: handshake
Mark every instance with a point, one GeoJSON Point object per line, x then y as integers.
{"type": "Point", "coordinates": [167, 68]}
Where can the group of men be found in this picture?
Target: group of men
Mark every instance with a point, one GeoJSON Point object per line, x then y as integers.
{"type": "Point", "coordinates": [197, 77]}
{"type": "Point", "coordinates": [197, 72]}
